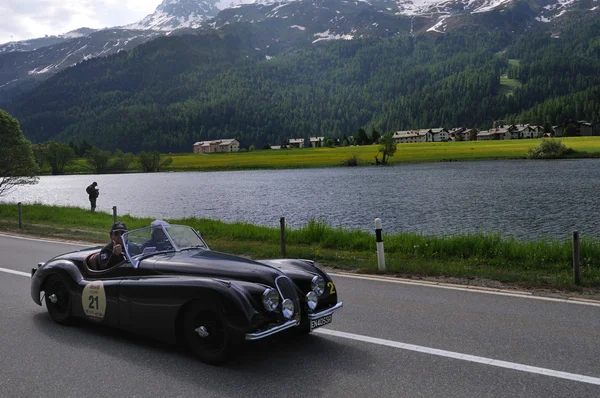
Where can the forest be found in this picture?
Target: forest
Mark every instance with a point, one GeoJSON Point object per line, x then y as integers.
{"type": "Point", "coordinates": [171, 92]}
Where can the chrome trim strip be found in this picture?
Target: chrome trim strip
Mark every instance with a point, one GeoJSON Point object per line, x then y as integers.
{"type": "Point", "coordinates": [264, 333]}
{"type": "Point", "coordinates": [326, 312]}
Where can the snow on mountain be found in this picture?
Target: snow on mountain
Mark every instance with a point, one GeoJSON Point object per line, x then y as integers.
{"type": "Point", "coordinates": [423, 7]}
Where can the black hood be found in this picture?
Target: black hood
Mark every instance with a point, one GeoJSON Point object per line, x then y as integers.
{"type": "Point", "coordinates": [213, 265]}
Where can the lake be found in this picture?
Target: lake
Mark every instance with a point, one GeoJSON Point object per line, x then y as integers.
{"type": "Point", "coordinates": [521, 198]}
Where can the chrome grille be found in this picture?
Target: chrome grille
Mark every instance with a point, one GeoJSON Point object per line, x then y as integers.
{"type": "Point", "coordinates": [287, 289]}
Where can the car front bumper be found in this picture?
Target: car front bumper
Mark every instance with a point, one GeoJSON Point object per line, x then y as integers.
{"type": "Point", "coordinates": [292, 323]}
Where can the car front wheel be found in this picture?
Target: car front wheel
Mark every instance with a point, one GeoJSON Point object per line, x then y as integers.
{"type": "Point", "coordinates": [207, 334]}
{"type": "Point", "coordinates": [58, 299]}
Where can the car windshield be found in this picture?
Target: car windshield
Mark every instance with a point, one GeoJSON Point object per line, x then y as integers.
{"type": "Point", "coordinates": [162, 238]}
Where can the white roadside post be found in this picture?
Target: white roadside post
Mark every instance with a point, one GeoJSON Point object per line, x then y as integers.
{"type": "Point", "coordinates": [379, 239]}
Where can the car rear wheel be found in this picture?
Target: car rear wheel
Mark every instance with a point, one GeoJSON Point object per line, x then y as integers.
{"type": "Point", "coordinates": [58, 299]}
{"type": "Point", "coordinates": [207, 334]}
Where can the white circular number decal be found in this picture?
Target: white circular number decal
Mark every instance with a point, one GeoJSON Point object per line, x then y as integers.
{"type": "Point", "coordinates": [94, 300]}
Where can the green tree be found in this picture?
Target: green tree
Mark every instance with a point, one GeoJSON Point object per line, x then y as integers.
{"type": "Point", "coordinates": [121, 161]}
{"type": "Point", "coordinates": [58, 156]}
{"type": "Point", "coordinates": [17, 164]}
{"type": "Point", "coordinates": [84, 148]}
{"type": "Point", "coordinates": [375, 136]}
{"type": "Point", "coordinates": [387, 147]}
{"type": "Point", "coordinates": [361, 137]}
{"type": "Point", "coordinates": [97, 160]}
{"type": "Point", "coordinates": [151, 161]}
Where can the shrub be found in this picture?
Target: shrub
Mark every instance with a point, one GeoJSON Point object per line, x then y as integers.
{"type": "Point", "coordinates": [550, 149]}
{"type": "Point", "coordinates": [351, 161]}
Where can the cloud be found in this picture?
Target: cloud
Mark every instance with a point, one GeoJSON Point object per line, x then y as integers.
{"type": "Point", "coordinates": [28, 19]}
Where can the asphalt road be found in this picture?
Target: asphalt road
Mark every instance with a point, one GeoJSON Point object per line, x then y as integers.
{"type": "Point", "coordinates": [390, 340]}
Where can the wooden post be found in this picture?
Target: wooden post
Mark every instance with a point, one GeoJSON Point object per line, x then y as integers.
{"type": "Point", "coordinates": [114, 213]}
{"type": "Point", "coordinates": [282, 240]}
{"type": "Point", "coordinates": [20, 215]}
{"type": "Point", "coordinates": [576, 270]}
{"type": "Point", "coordinates": [379, 242]}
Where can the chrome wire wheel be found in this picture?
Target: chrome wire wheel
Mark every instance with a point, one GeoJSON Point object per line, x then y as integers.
{"type": "Point", "coordinates": [210, 333]}
{"type": "Point", "coordinates": [58, 299]}
{"type": "Point", "coordinates": [207, 334]}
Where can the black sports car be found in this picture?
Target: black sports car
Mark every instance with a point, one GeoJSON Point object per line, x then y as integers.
{"type": "Point", "coordinates": [178, 289]}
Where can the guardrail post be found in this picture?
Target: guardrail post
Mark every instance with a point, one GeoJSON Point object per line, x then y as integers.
{"type": "Point", "coordinates": [114, 214]}
{"type": "Point", "coordinates": [379, 239]}
{"type": "Point", "coordinates": [576, 269]}
{"type": "Point", "coordinates": [282, 240]}
{"type": "Point", "coordinates": [20, 215]}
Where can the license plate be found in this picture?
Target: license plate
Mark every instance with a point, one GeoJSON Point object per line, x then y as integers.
{"type": "Point", "coordinates": [316, 323]}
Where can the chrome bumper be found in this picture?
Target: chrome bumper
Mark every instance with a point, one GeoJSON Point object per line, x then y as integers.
{"type": "Point", "coordinates": [326, 312]}
{"type": "Point", "coordinates": [292, 323]}
{"type": "Point", "coordinates": [273, 330]}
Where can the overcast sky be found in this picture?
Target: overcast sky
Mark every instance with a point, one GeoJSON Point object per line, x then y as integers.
{"type": "Point", "coordinates": [28, 19]}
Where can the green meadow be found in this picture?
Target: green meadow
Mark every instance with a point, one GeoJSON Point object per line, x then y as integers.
{"type": "Point", "coordinates": [405, 153]}
{"type": "Point", "coordinates": [529, 264]}
{"type": "Point", "coordinates": [335, 157]}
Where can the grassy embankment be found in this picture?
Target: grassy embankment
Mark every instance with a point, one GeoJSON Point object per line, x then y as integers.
{"type": "Point", "coordinates": [328, 157]}
{"type": "Point", "coordinates": [533, 264]}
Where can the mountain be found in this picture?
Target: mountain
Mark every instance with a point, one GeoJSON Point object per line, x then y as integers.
{"type": "Point", "coordinates": [176, 14]}
{"type": "Point", "coordinates": [24, 64]}
{"type": "Point", "coordinates": [21, 70]}
{"type": "Point", "coordinates": [265, 72]}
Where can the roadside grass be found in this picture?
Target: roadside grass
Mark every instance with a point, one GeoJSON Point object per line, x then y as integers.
{"type": "Point", "coordinates": [530, 264]}
{"type": "Point", "coordinates": [365, 155]}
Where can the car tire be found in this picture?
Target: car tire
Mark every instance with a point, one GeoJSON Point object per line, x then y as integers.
{"type": "Point", "coordinates": [217, 346]}
{"type": "Point", "coordinates": [58, 299]}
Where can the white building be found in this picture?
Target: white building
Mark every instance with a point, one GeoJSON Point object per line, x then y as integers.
{"type": "Point", "coordinates": [317, 142]}
{"type": "Point", "coordinates": [228, 145]}
{"type": "Point", "coordinates": [408, 136]}
{"type": "Point", "coordinates": [296, 142]}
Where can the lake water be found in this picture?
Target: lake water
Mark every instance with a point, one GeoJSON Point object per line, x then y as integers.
{"type": "Point", "coordinates": [525, 199]}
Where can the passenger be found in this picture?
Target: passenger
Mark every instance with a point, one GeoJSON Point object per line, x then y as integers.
{"type": "Point", "coordinates": [158, 239]}
{"type": "Point", "coordinates": [113, 253]}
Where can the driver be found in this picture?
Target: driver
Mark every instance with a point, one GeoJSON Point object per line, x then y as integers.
{"type": "Point", "coordinates": [112, 254]}
{"type": "Point", "coordinates": [158, 239]}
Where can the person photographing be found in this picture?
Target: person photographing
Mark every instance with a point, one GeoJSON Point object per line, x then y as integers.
{"type": "Point", "coordinates": [93, 193]}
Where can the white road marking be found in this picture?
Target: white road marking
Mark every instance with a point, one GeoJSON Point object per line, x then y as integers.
{"type": "Point", "coordinates": [462, 289]}
{"type": "Point", "coordinates": [46, 240]}
{"type": "Point", "coordinates": [11, 271]}
{"type": "Point", "coordinates": [434, 351]}
{"type": "Point", "coordinates": [462, 357]}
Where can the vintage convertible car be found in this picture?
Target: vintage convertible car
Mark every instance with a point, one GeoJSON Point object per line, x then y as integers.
{"type": "Point", "coordinates": [178, 289]}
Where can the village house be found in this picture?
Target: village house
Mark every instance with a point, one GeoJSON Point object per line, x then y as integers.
{"type": "Point", "coordinates": [439, 134]}
{"type": "Point", "coordinates": [403, 137]}
{"type": "Point", "coordinates": [227, 145]}
{"type": "Point", "coordinates": [296, 143]}
{"type": "Point", "coordinates": [577, 128]}
{"type": "Point", "coordinates": [421, 135]}
{"type": "Point", "coordinates": [317, 142]}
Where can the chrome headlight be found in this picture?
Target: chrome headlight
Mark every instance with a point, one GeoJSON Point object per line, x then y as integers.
{"type": "Point", "coordinates": [317, 285]}
{"type": "Point", "coordinates": [287, 308]}
{"type": "Point", "coordinates": [270, 299]}
{"type": "Point", "coordinates": [312, 300]}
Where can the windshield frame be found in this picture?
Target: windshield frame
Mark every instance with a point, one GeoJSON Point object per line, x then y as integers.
{"type": "Point", "coordinates": [137, 257]}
